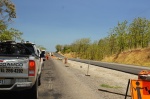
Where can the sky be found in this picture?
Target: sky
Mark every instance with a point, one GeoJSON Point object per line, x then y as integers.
{"type": "Point", "coordinates": [52, 22]}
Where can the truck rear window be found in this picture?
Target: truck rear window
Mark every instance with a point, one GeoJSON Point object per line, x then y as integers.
{"type": "Point", "coordinates": [16, 49]}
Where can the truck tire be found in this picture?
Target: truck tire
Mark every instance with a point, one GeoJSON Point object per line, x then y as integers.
{"type": "Point", "coordinates": [39, 80]}
{"type": "Point", "coordinates": [33, 92]}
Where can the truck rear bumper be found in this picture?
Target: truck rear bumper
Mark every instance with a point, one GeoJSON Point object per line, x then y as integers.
{"type": "Point", "coordinates": [16, 86]}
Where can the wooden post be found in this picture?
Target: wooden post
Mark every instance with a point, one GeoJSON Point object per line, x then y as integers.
{"type": "Point", "coordinates": [127, 89]}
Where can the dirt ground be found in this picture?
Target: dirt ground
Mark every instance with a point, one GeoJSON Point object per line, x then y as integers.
{"type": "Point", "coordinates": [73, 81]}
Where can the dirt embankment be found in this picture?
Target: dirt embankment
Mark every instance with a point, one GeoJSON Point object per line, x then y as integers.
{"type": "Point", "coordinates": [134, 57]}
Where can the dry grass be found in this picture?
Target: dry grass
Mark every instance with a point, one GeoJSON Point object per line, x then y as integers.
{"type": "Point", "coordinates": [136, 57]}
{"type": "Point", "coordinates": [70, 55]}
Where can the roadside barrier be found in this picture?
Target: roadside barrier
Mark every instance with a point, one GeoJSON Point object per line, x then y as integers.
{"type": "Point", "coordinates": [66, 60]}
{"type": "Point", "coordinates": [47, 57]}
{"type": "Point", "coordinates": [140, 89]}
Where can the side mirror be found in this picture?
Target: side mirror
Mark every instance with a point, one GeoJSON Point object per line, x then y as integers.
{"type": "Point", "coordinates": [41, 55]}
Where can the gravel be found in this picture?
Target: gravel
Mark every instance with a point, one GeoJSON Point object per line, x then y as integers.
{"type": "Point", "coordinates": [106, 83]}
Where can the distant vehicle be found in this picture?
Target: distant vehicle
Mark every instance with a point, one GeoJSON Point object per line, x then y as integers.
{"type": "Point", "coordinates": [20, 67]}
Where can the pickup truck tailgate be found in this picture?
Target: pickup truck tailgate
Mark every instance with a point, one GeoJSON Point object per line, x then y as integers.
{"type": "Point", "coordinates": [13, 67]}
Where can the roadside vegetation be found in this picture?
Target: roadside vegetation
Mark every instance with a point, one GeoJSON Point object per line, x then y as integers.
{"type": "Point", "coordinates": [108, 86]}
{"type": "Point", "coordinates": [125, 38]}
{"type": "Point", "coordinates": [7, 14]}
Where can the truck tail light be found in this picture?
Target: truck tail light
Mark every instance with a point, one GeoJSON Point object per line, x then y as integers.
{"type": "Point", "coordinates": [32, 67]}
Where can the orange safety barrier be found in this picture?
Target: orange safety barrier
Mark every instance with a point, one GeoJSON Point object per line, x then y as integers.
{"type": "Point", "coordinates": [47, 56]}
{"type": "Point", "coordinates": [140, 89]}
{"type": "Point", "coordinates": [66, 60]}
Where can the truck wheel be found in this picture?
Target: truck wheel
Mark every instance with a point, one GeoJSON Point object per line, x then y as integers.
{"type": "Point", "coordinates": [42, 66]}
{"type": "Point", "coordinates": [39, 80]}
{"type": "Point", "coordinates": [34, 91]}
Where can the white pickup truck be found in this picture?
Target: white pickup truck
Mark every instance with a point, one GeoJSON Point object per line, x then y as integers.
{"type": "Point", "coordinates": [20, 67]}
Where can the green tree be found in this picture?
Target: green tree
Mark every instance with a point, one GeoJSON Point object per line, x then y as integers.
{"type": "Point", "coordinates": [7, 10]}
{"type": "Point", "coordinates": [2, 26]}
{"type": "Point", "coordinates": [121, 32]}
{"type": "Point", "coordinates": [58, 48]}
{"type": "Point", "coordinates": [139, 32]}
{"type": "Point", "coordinates": [120, 38]}
{"type": "Point", "coordinates": [16, 34]}
{"type": "Point", "coordinates": [80, 46]}
{"type": "Point", "coordinates": [93, 50]}
{"type": "Point", "coordinates": [112, 42]}
{"type": "Point", "coordinates": [11, 34]}
{"type": "Point", "coordinates": [104, 47]}
{"type": "Point", "coordinates": [66, 49]}
{"type": "Point", "coordinates": [41, 47]}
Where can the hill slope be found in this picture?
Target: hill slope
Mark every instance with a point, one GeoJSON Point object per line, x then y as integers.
{"type": "Point", "coordinates": [135, 57]}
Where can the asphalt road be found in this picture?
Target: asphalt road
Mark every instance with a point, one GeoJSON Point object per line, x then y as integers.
{"type": "Point", "coordinates": [131, 69]}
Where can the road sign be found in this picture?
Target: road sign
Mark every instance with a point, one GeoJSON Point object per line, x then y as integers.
{"type": "Point", "coordinates": [140, 89]}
